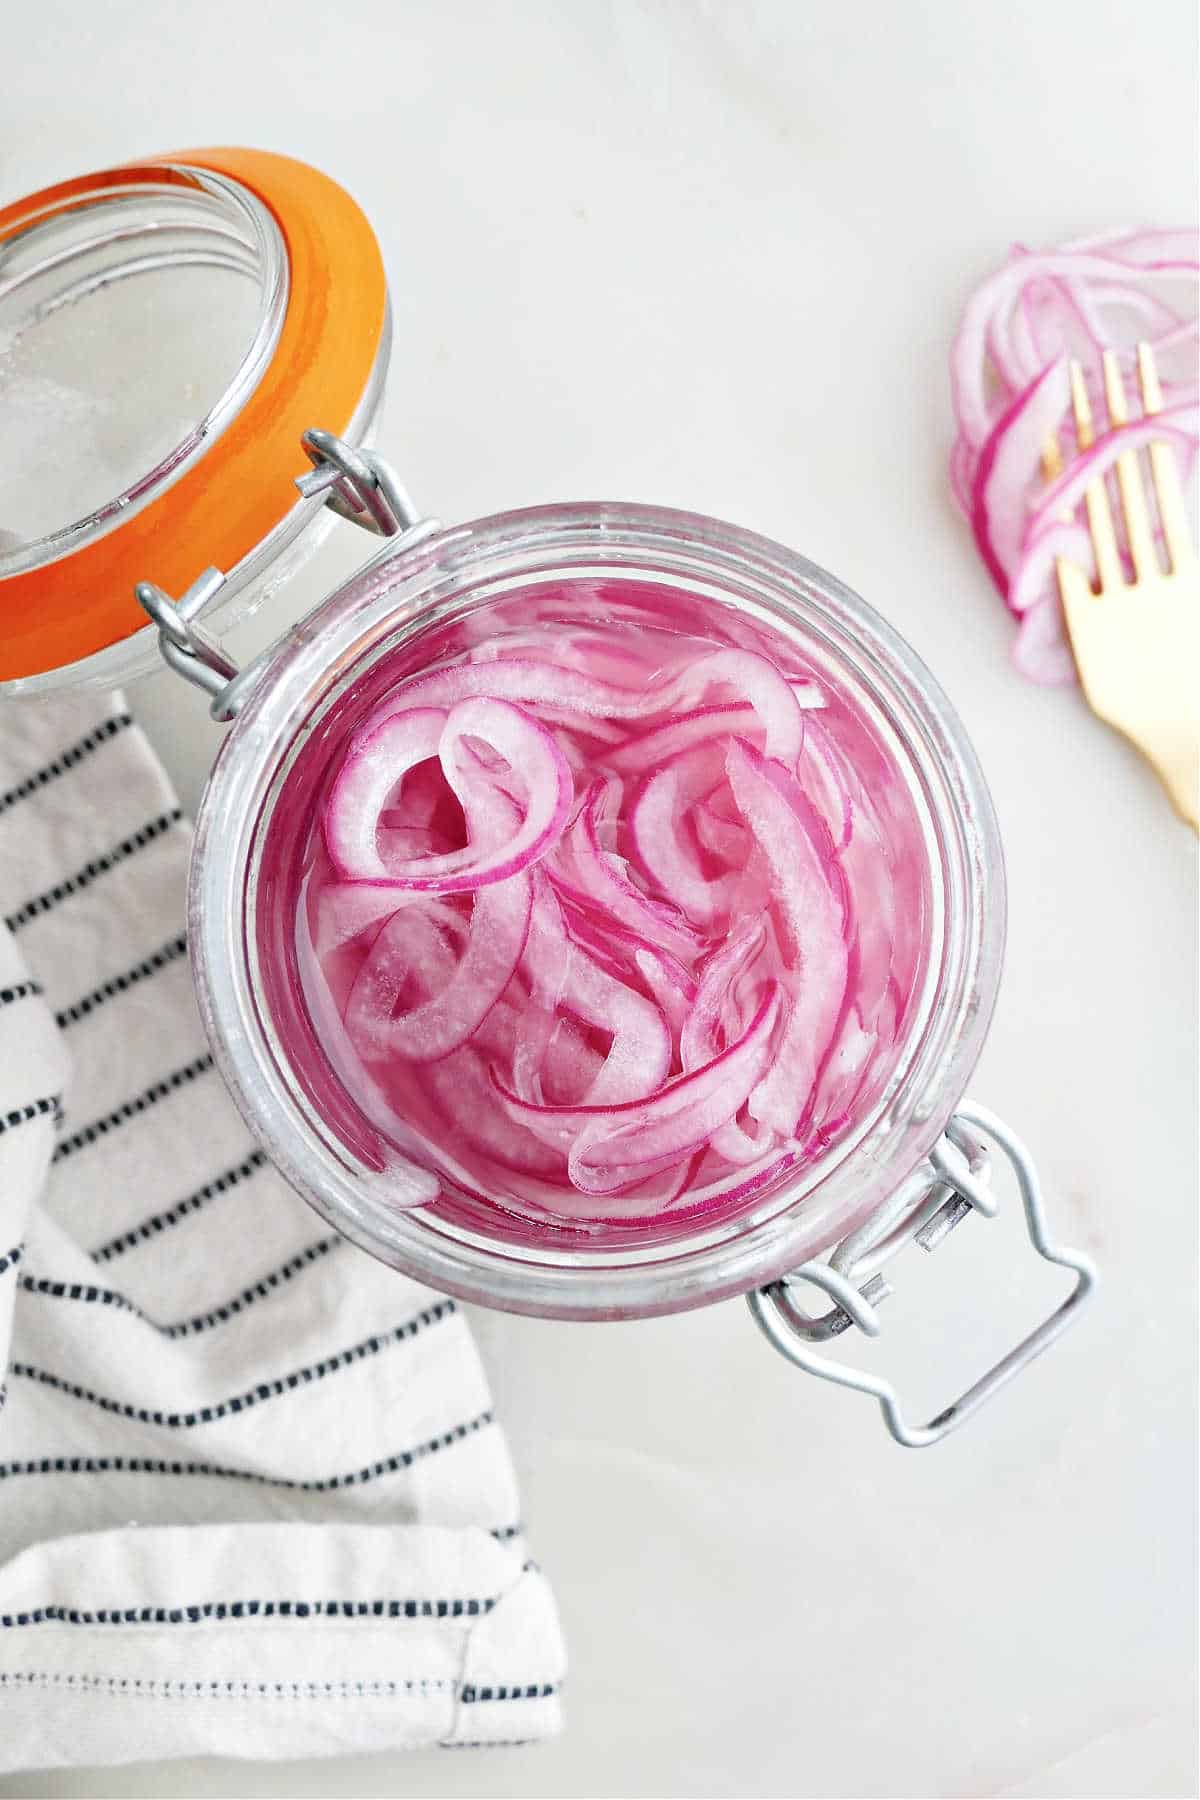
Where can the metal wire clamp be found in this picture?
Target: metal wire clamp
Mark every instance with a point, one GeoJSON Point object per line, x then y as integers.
{"type": "Point", "coordinates": [926, 1210]}
{"type": "Point", "coordinates": [356, 484]}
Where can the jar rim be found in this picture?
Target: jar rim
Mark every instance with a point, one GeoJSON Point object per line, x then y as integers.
{"type": "Point", "coordinates": [831, 1195]}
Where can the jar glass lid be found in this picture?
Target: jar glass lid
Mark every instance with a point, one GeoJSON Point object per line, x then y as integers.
{"type": "Point", "coordinates": [133, 327]}
{"type": "Point", "coordinates": [167, 332]}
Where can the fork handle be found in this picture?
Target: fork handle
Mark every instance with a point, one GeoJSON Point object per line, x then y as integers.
{"type": "Point", "coordinates": [1175, 753]}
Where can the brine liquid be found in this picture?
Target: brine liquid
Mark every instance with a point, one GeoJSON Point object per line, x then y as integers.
{"type": "Point", "coordinates": [690, 976]}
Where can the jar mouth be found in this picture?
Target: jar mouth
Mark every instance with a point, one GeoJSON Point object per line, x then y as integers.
{"type": "Point", "coordinates": [135, 322]}
{"type": "Point", "coordinates": [394, 599]}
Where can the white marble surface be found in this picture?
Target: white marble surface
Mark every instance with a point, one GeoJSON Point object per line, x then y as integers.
{"type": "Point", "coordinates": [712, 254]}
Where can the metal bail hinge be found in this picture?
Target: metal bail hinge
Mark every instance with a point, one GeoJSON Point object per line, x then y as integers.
{"type": "Point", "coordinates": [185, 646]}
{"type": "Point", "coordinates": [926, 1210]}
{"type": "Point", "coordinates": [358, 485]}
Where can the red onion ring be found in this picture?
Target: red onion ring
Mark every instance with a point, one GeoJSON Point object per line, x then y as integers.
{"type": "Point", "coordinates": [1011, 397]}
{"type": "Point", "coordinates": [606, 919]}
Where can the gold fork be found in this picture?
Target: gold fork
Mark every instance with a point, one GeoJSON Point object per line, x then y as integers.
{"type": "Point", "coordinates": [1137, 644]}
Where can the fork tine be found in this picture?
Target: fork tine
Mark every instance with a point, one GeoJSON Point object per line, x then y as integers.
{"type": "Point", "coordinates": [1069, 576]}
{"type": "Point", "coordinates": [1100, 525]}
{"type": "Point", "coordinates": [1167, 491]}
{"type": "Point", "coordinates": [1052, 458]}
{"type": "Point", "coordinates": [1129, 478]}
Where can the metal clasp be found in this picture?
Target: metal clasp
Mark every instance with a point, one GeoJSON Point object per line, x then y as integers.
{"type": "Point", "coordinates": [926, 1210]}
{"type": "Point", "coordinates": [356, 484]}
{"type": "Point", "coordinates": [184, 645]}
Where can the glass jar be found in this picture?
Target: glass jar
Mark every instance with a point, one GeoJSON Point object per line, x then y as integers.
{"type": "Point", "coordinates": [915, 1161]}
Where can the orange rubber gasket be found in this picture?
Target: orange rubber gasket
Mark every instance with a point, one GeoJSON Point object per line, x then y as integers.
{"type": "Point", "coordinates": [242, 487]}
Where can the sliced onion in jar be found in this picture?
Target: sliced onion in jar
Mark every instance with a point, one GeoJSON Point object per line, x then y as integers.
{"type": "Point", "coordinates": [809, 898]}
{"type": "Point", "coordinates": [609, 923]}
{"type": "Point", "coordinates": [611, 1145]}
{"type": "Point", "coordinates": [447, 1015]}
{"type": "Point", "coordinates": [496, 850]}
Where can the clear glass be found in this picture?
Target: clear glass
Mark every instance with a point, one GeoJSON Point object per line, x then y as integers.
{"type": "Point", "coordinates": [134, 326]}
{"type": "Point", "coordinates": [295, 1105]}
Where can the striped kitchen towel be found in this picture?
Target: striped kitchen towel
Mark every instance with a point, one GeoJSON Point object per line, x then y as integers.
{"type": "Point", "coordinates": [253, 1498]}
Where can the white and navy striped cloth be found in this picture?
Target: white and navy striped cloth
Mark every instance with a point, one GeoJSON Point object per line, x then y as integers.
{"type": "Point", "coordinates": [253, 1498]}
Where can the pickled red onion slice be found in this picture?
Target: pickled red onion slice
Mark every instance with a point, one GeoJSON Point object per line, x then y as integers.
{"type": "Point", "coordinates": [406, 739]}
{"type": "Point", "coordinates": [759, 683]}
{"type": "Point", "coordinates": [449, 1013]}
{"type": "Point", "coordinates": [610, 1146]}
{"type": "Point", "coordinates": [810, 907]}
{"type": "Point", "coordinates": [603, 881]}
{"type": "Point", "coordinates": [368, 778]}
{"type": "Point", "coordinates": [1011, 396]}
{"type": "Point", "coordinates": [607, 919]}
